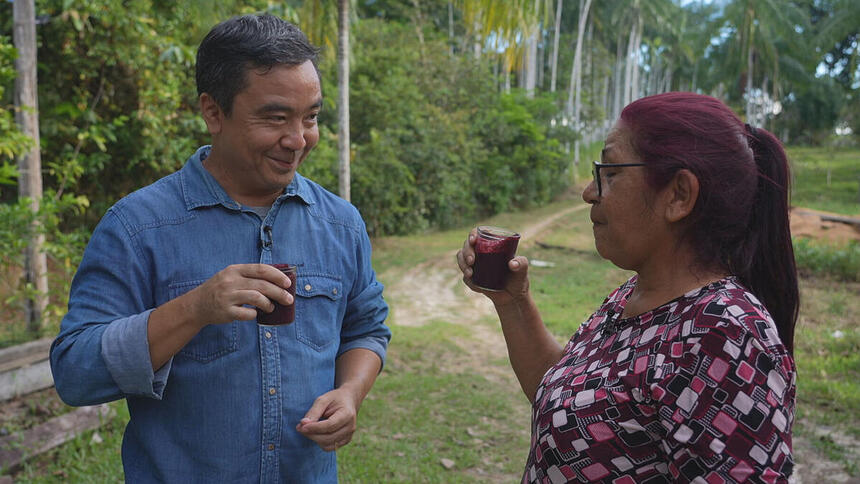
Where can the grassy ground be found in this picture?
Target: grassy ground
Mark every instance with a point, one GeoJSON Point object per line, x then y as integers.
{"type": "Point", "coordinates": [447, 408]}
{"type": "Point", "coordinates": [826, 179]}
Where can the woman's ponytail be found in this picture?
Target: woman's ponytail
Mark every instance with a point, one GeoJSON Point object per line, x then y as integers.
{"type": "Point", "coordinates": [739, 224]}
{"type": "Point", "coordinates": [772, 274]}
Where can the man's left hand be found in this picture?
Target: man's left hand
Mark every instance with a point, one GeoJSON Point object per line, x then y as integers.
{"type": "Point", "coordinates": [331, 420]}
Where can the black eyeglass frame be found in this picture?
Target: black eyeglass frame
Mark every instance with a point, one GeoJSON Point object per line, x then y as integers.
{"type": "Point", "coordinates": [595, 172]}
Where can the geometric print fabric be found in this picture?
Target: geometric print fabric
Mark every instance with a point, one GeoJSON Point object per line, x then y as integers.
{"type": "Point", "coordinates": [700, 389]}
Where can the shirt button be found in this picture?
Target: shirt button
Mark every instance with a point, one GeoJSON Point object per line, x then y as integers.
{"type": "Point", "coordinates": [334, 291]}
{"type": "Point", "coordinates": [271, 446]}
{"type": "Point", "coordinates": [307, 287]}
{"type": "Point", "coordinates": [271, 391]}
{"type": "Point", "coordinates": [268, 335]}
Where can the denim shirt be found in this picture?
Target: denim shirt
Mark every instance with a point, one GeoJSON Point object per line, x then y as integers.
{"type": "Point", "coordinates": [225, 408]}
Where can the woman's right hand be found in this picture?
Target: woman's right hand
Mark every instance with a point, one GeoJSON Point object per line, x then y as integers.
{"type": "Point", "coordinates": [518, 281]}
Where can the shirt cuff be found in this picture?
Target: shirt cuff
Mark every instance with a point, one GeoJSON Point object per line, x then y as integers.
{"type": "Point", "coordinates": [125, 350]}
{"type": "Point", "coordinates": [376, 344]}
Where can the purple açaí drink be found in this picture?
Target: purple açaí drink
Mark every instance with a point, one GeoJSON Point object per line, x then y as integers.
{"type": "Point", "coordinates": [281, 314]}
{"type": "Point", "coordinates": [494, 248]}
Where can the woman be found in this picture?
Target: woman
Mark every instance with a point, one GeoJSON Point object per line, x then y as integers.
{"type": "Point", "coordinates": [686, 370]}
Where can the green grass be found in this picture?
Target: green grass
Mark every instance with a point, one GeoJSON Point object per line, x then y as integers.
{"type": "Point", "coordinates": [430, 404]}
{"type": "Point", "coordinates": [820, 258]}
{"type": "Point", "coordinates": [811, 189]}
{"type": "Point", "coordinates": [83, 459]}
{"type": "Point", "coordinates": [434, 401]}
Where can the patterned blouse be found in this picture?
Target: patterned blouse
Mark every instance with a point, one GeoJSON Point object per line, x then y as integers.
{"type": "Point", "coordinates": [699, 389]}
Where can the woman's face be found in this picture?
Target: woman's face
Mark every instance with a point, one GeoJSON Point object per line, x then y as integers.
{"type": "Point", "coordinates": [626, 225]}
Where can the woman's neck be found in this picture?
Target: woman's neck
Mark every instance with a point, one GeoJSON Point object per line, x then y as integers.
{"type": "Point", "coordinates": [662, 281]}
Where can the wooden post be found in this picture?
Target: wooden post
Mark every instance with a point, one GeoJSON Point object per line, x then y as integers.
{"type": "Point", "coordinates": [30, 163]}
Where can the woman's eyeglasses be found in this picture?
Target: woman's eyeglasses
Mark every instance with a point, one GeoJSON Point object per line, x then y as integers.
{"type": "Point", "coordinates": [595, 171]}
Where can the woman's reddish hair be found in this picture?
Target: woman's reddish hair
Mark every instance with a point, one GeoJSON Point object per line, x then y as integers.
{"type": "Point", "coordinates": [740, 222]}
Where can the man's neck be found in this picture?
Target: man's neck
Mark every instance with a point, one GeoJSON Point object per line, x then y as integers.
{"type": "Point", "coordinates": [231, 184]}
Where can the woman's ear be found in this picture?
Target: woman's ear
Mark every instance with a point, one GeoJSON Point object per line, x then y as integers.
{"type": "Point", "coordinates": [211, 112]}
{"type": "Point", "coordinates": [682, 193]}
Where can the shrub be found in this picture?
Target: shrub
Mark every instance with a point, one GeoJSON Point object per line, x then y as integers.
{"type": "Point", "coordinates": [836, 261]}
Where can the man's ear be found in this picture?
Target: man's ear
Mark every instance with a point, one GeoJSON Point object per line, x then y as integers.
{"type": "Point", "coordinates": [683, 191]}
{"type": "Point", "coordinates": [212, 113]}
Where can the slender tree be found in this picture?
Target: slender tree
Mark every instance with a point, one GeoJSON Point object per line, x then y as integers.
{"type": "Point", "coordinates": [575, 98]}
{"type": "Point", "coordinates": [556, 35]}
{"type": "Point", "coordinates": [343, 98]}
{"type": "Point", "coordinates": [30, 163]}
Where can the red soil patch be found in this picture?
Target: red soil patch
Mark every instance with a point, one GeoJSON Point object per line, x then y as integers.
{"type": "Point", "coordinates": [807, 223]}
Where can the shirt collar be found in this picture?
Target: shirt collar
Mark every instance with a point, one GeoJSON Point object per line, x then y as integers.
{"type": "Point", "coordinates": [201, 189]}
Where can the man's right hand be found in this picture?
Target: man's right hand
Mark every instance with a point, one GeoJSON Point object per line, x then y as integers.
{"type": "Point", "coordinates": [232, 294]}
{"type": "Point", "coordinates": [226, 296]}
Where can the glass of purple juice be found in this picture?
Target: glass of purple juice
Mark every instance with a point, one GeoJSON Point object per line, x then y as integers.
{"type": "Point", "coordinates": [281, 314]}
{"type": "Point", "coordinates": [494, 248]}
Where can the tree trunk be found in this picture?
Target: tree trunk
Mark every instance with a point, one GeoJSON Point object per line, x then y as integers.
{"type": "Point", "coordinates": [30, 164]}
{"type": "Point", "coordinates": [618, 96]}
{"type": "Point", "coordinates": [577, 62]}
{"type": "Point", "coordinates": [343, 97]}
{"type": "Point", "coordinates": [477, 46]}
{"type": "Point", "coordinates": [634, 60]}
{"type": "Point", "coordinates": [628, 66]}
{"type": "Point", "coordinates": [556, 35]}
{"type": "Point", "coordinates": [451, 26]}
{"type": "Point", "coordinates": [530, 65]}
{"type": "Point", "coordinates": [507, 75]}
{"type": "Point", "coordinates": [749, 86]}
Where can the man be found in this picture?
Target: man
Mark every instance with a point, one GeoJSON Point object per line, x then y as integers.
{"type": "Point", "coordinates": [161, 309]}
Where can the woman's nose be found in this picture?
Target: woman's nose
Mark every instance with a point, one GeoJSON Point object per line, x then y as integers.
{"type": "Point", "coordinates": [589, 194]}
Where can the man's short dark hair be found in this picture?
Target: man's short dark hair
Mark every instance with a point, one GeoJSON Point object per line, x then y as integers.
{"type": "Point", "coordinates": [246, 42]}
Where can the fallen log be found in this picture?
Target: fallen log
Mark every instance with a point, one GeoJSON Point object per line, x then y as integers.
{"type": "Point", "coordinates": [20, 446]}
{"type": "Point", "coordinates": [827, 217]}
{"type": "Point", "coordinates": [25, 369]}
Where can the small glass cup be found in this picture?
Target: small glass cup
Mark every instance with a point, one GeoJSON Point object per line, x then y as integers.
{"type": "Point", "coordinates": [494, 248]}
{"type": "Point", "coordinates": [281, 314]}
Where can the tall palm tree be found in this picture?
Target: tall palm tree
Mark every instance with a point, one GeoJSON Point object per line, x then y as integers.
{"type": "Point", "coordinates": [556, 31]}
{"type": "Point", "coordinates": [759, 26]}
{"type": "Point", "coordinates": [574, 100]}
{"type": "Point", "coordinates": [505, 27]}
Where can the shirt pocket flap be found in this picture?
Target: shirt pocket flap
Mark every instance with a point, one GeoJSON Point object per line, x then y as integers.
{"type": "Point", "coordinates": [311, 285]}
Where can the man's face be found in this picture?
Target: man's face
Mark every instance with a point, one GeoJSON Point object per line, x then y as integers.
{"type": "Point", "coordinates": [272, 128]}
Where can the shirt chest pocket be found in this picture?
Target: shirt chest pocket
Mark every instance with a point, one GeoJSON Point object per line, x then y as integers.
{"type": "Point", "coordinates": [214, 340]}
{"type": "Point", "coordinates": [319, 309]}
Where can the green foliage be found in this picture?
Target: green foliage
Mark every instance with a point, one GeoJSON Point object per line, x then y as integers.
{"type": "Point", "coordinates": [64, 248]}
{"type": "Point", "coordinates": [434, 144]}
{"type": "Point", "coordinates": [118, 104]}
{"type": "Point", "coordinates": [840, 262]}
{"type": "Point", "coordinates": [12, 141]}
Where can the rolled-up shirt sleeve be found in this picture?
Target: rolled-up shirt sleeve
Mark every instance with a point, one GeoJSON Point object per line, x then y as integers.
{"type": "Point", "coordinates": [366, 311]}
{"type": "Point", "coordinates": [102, 352]}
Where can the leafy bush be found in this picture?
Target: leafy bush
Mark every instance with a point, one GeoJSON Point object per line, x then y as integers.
{"type": "Point", "coordinates": [840, 262]}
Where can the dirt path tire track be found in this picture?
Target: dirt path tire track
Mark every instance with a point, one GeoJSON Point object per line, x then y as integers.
{"type": "Point", "coordinates": [433, 290]}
